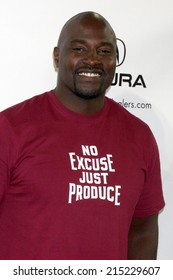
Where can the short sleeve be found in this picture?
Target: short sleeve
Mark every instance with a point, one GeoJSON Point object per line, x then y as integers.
{"type": "Point", "coordinates": [7, 153]}
{"type": "Point", "coordinates": [151, 200]}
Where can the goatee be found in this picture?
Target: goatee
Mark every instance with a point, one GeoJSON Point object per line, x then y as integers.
{"type": "Point", "coordinates": [88, 93]}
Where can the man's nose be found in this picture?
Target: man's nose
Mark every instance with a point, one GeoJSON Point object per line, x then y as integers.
{"type": "Point", "coordinates": [92, 57]}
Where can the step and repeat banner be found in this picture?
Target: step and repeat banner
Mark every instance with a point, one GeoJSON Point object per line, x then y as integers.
{"type": "Point", "coordinates": [143, 83]}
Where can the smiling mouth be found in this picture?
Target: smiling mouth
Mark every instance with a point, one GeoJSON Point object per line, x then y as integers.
{"type": "Point", "coordinates": [88, 74]}
{"type": "Point", "coordinates": [91, 72]}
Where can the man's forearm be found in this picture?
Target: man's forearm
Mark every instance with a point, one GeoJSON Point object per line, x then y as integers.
{"type": "Point", "coordinates": [143, 239]}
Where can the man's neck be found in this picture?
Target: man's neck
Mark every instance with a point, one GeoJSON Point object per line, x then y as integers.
{"type": "Point", "coordinates": [80, 105]}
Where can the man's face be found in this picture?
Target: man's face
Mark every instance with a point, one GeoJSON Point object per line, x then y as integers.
{"type": "Point", "coordinates": [86, 59]}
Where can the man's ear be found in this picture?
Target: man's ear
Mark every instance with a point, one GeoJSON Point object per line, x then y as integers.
{"type": "Point", "coordinates": [56, 56]}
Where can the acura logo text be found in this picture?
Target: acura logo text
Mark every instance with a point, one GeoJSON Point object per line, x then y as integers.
{"type": "Point", "coordinates": [122, 79]}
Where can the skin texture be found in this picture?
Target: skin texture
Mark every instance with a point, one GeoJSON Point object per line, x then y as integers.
{"type": "Point", "coordinates": [86, 62]}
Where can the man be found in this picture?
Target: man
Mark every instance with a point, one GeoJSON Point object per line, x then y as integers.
{"type": "Point", "coordinates": [80, 176]}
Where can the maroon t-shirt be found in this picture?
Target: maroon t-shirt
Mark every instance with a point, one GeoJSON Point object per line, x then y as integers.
{"type": "Point", "coordinates": [70, 184]}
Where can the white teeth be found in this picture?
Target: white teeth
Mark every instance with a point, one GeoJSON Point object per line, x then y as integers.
{"type": "Point", "coordinates": [89, 74]}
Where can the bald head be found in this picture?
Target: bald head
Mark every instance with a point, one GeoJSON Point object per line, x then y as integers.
{"type": "Point", "coordinates": [85, 18]}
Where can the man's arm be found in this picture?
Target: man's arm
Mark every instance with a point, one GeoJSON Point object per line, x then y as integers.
{"type": "Point", "coordinates": [143, 238]}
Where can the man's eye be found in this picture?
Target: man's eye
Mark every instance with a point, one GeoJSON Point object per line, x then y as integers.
{"type": "Point", "coordinates": [104, 51]}
{"type": "Point", "coordinates": [78, 49]}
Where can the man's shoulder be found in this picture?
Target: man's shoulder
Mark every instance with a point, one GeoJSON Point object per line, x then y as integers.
{"type": "Point", "coordinates": [26, 109]}
{"type": "Point", "coordinates": [130, 127]}
{"type": "Point", "coordinates": [124, 116]}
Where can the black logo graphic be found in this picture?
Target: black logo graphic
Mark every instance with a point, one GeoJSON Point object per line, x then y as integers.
{"type": "Point", "coordinates": [125, 79]}
{"type": "Point", "coordinates": [121, 52]}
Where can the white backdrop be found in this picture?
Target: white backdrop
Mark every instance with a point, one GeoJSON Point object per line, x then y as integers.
{"type": "Point", "coordinates": [29, 30]}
